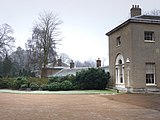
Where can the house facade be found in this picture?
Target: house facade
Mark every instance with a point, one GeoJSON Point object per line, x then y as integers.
{"type": "Point", "coordinates": [134, 53]}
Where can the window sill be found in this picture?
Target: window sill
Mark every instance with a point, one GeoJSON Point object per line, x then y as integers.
{"type": "Point", "coordinates": [149, 41]}
{"type": "Point", "coordinates": [118, 45]}
{"type": "Point", "coordinates": [151, 84]}
{"type": "Point", "coordinates": [119, 83]}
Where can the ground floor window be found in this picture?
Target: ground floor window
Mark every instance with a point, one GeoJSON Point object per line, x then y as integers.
{"type": "Point", "coordinates": [150, 73]}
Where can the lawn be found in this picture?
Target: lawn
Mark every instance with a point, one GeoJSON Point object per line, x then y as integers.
{"type": "Point", "coordinates": [60, 92]}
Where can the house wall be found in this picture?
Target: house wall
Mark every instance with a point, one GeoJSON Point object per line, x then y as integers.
{"type": "Point", "coordinates": [49, 71]}
{"type": "Point", "coordinates": [125, 49]}
{"type": "Point", "coordinates": [144, 52]}
{"type": "Point", "coordinates": [138, 51]}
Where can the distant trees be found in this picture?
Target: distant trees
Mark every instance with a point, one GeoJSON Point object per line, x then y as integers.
{"type": "Point", "coordinates": [15, 64]}
{"type": "Point", "coordinates": [6, 45]}
{"type": "Point", "coordinates": [32, 55]}
{"type": "Point", "coordinates": [7, 66]}
{"type": "Point", "coordinates": [154, 12]}
{"type": "Point", "coordinates": [87, 63]}
{"type": "Point", "coordinates": [65, 58]}
{"type": "Point", "coordinates": [45, 37]}
{"type": "Point", "coordinates": [6, 40]}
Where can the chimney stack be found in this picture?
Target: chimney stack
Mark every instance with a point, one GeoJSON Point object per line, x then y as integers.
{"type": "Point", "coordinates": [135, 10]}
{"type": "Point", "coordinates": [98, 63]}
{"type": "Point", "coordinates": [71, 64]}
{"type": "Point", "coordinates": [59, 61]}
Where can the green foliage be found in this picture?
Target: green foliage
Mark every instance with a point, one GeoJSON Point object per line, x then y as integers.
{"type": "Point", "coordinates": [7, 66]}
{"type": "Point", "coordinates": [44, 87]}
{"type": "Point", "coordinates": [54, 86]}
{"type": "Point", "coordinates": [39, 81]}
{"type": "Point", "coordinates": [34, 86]}
{"type": "Point", "coordinates": [54, 79]}
{"type": "Point", "coordinates": [24, 86]}
{"type": "Point", "coordinates": [70, 78]}
{"type": "Point", "coordinates": [61, 83]}
{"type": "Point", "coordinates": [66, 85]}
{"type": "Point", "coordinates": [18, 82]}
{"type": "Point", "coordinates": [92, 79]}
{"type": "Point", "coordinates": [3, 84]}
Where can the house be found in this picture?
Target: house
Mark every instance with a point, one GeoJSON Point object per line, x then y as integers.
{"type": "Point", "coordinates": [134, 53]}
{"type": "Point", "coordinates": [73, 70]}
{"type": "Point", "coordinates": [53, 69]}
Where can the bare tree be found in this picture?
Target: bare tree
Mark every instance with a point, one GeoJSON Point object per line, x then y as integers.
{"type": "Point", "coordinates": [154, 12]}
{"type": "Point", "coordinates": [32, 55]}
{"type": "Point", "coordinates": [65, 58]}
{"type": "Point", "coordinates": [88, 63]}
{"type": "Point", "coordinates": [46, 35]}
{"type": "Point", "coordinates": [6, 40]}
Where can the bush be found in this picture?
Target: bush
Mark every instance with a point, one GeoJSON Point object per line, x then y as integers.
{"type": "Point", "coordinates": [24, 86]}
{"type": "Point", "coordinates": [39, 81]}
{"type": "Point", "coordinates": [66, 85]}
{"type": "Point", "coordinates": [18, 82]}
{"type": "Point", "coordinates": [92, 79]}
{"type": "Point", "coordinates": [44, 87]}
{"type": "Point", "coordinates": [54, 79]}
{"type": "Point", "coordinates": [62, 78]}
{"type": "Point", "coordinates": [54, 86]}
{"type": "Point", "coordinates": [70, 78]}
{"type": "Point", "coordinates": [34, 86]}
{"type": "Point", "coordinates": [3, 84]}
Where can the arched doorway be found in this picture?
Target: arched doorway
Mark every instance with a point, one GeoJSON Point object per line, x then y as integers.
{"type": "Point", "coordinates": [119, 70]}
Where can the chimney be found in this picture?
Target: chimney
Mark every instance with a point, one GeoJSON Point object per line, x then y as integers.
{"type": "Point", "coordinates": [71, 64]}
{"type": "Point", "coordinates": [98, 63]}
{"type": "Point", "coordinates": [135, 10]}
{"type": "Point", "coordinates": [59, 61]}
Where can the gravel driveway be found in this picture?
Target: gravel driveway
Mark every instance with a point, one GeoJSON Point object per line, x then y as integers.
{"type": "Point", "coordinates": [79, 107]}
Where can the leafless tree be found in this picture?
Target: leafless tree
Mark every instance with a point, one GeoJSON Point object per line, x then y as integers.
{"type": "Point", "coordinates": [65, 58]}
{"type": "Point", "coordinates": [154, 12]}
{"type": "Point", "coordinates": [88, 63]}
{"type": "Point", "coordinates": [32, 55]}
{"type": "Point", "coordinates": [46, 35]}
{"type": "Point", "coordinates": [6, 40]}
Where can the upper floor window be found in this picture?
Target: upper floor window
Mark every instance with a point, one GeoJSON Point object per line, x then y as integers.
{"type": "Point", "coordinates": [118, 41]}
{"type": "Point", "coordinates": [149, 36]}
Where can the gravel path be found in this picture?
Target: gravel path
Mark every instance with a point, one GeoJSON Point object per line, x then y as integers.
{"type": "Point", "coordinates": [79, 107]}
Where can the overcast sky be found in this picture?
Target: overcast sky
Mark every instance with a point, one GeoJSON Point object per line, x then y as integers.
{"type": "Point", "coordinates": [85, 22]}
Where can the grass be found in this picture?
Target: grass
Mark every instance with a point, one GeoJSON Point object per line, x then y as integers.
{"type": "Point", "coordinates": [60, 92]}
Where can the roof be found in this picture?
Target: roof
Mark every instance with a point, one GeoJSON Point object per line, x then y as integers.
{"type": "Point", "coordinates": [73, 71]}
{"type": "Point", "coordinates": [69, 71]}
{"type": "Point", "coordinates": [149, 19]}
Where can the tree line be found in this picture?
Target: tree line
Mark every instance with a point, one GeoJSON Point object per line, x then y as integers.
{"type": "Point", "coordinates": [40, 48]}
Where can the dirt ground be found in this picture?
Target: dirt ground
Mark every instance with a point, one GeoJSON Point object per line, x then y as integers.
{"type": "Point", "coordinates": [79, 107]}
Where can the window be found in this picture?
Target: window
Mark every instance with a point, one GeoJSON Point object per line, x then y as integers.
{"type": "Point", "coordinates": [119, 72]}
{"type": "Point", "coordinates": [118, 41]}
{"type": "Point", "coordinates": [148, 36]}
{"type": "Point", "coordinates": [150, 73]}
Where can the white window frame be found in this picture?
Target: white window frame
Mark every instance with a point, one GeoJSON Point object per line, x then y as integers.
{"type": "Point", "coordinates": [151, 71]}
{"type": "Point", "coordinates": [150, 37]}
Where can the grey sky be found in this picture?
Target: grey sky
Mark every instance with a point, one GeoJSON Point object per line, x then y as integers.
{"type": "Point", "coordinates": [85, 22]}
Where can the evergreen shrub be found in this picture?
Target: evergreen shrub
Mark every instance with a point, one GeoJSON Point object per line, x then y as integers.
{"type": "Point", "coordinates": [55, 86]}
{"type": "Point", "coordinates": [34, 86]}
{"type": "Point", "coordinates": [44, 87]}
{"type": "Point", "coordinates": [92, 78]}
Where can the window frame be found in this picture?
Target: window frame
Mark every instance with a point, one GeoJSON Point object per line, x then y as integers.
{"type": "Point", "coordinates": [149, 36]}
{"type": "Point", "coordinates": [118, 41]}
{"type": "Point", "coordinates": [153, 72]}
